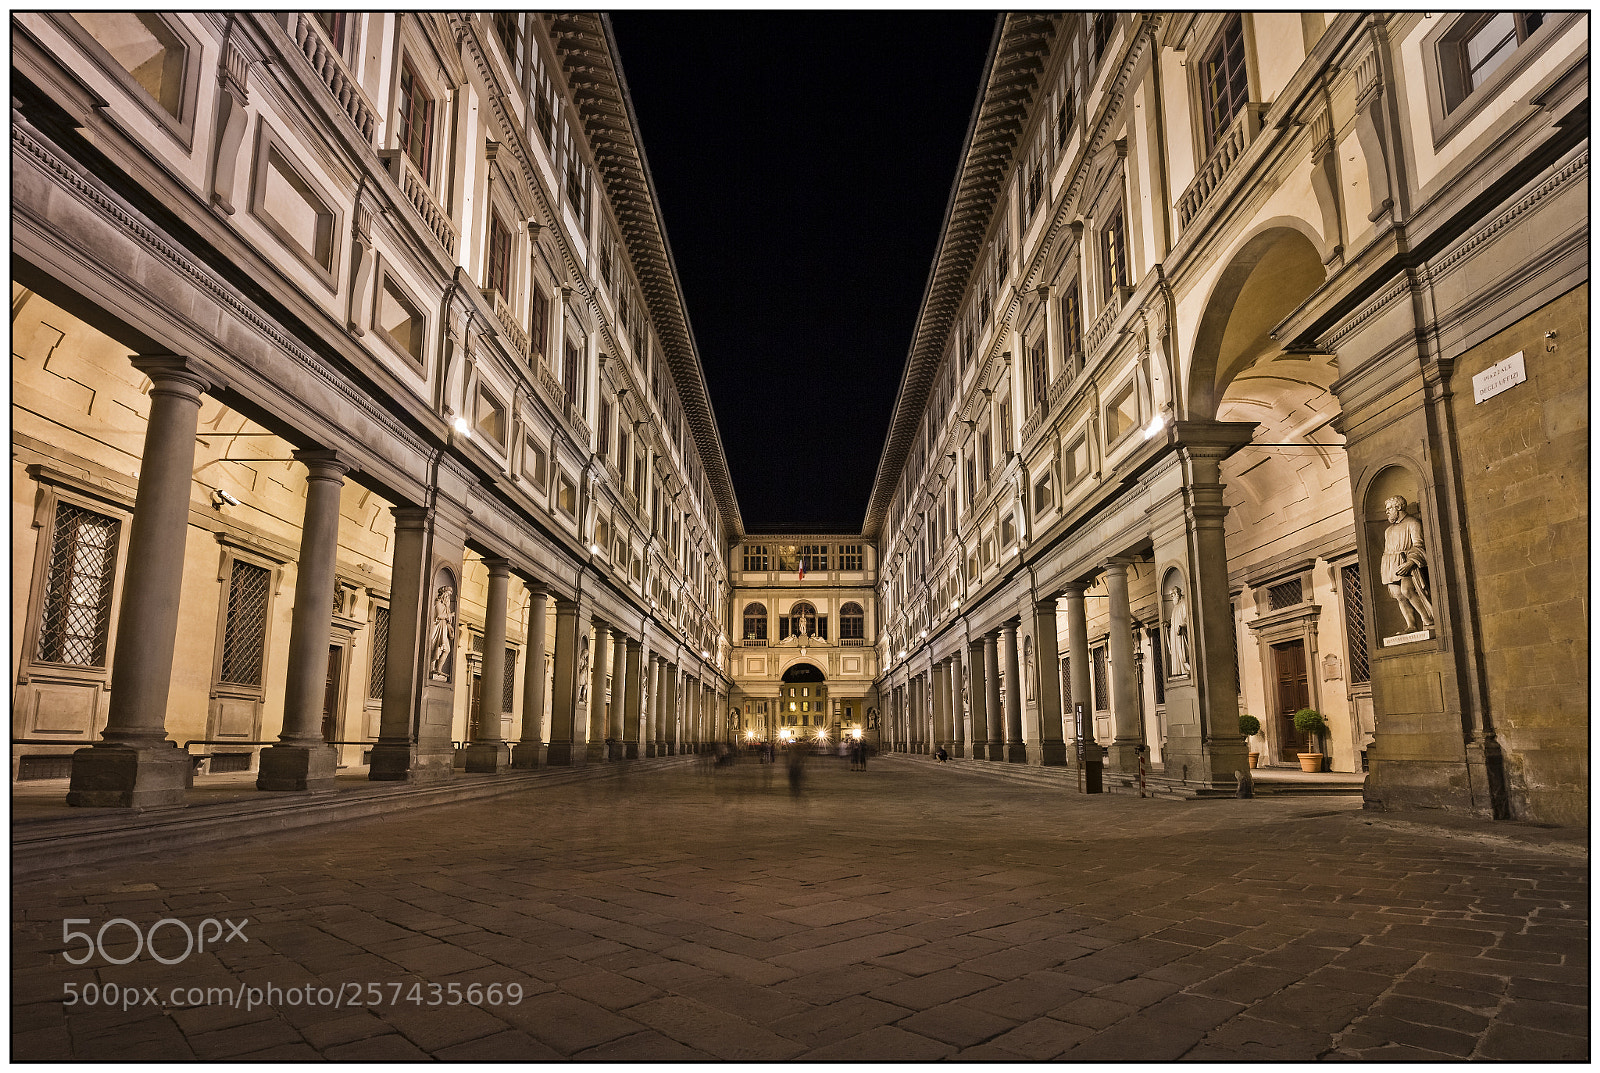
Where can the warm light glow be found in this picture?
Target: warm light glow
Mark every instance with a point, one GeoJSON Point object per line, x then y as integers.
{"type": "Point", "coordinates": [954, 604]}
{"type": "Point", "coordinates": [856, 733]}
{"type": "Point", "coordinates": [595, 548]}
{"type": "Point", "coordinates": [822, 735]}
{"type": "Point", "coordinates": [704, 654]}
{"type": "Point", "coordinates": [461, 426]}
{"type": "Point", "coordinates": [785, 733]}
{"type": "Point", "coordinates": [924, 633]}
{"type": "Point", "coordinates": [1157, 423]}
{"type": "Point", "coordinates": [750, 734]}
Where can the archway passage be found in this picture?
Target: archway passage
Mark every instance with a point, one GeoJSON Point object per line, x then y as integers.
{"type": "Point", "coordinates": [804, 672]}
{"type": "Point", "coordinates": [803, 710]}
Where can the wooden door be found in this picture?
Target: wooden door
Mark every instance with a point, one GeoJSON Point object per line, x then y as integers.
{"type": "Point", "coordinates": [1289, 667]}
{"type": "Point", "coordinates": [330, 698]}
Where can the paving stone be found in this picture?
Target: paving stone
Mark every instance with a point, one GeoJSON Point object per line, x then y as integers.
{"type": "Point", "coordinates": [1524, 1044]}
{"type": "Point", "coordinates": [704, 1028]}
{"type": "Point", "coordinates": [817, 1025]}
{"type": "Point", "coordinates": [1140, 1038]}
{"type": "Point", "coordinates": [566, 1023]}
{"type": "Point", "coordinates": [934, 989]}
{"type": "Point", "coordinates": [1027, 996]}
{"type": "Point", "coordinates": [1042, 1038]}
{"type": "Point", "coordinates": [884, 1044]}
{"type": "Point", "coordinates": [233, 1042]}
{"type": "Point", "coordinates": [646, 1046]}
{"type": "Point", "coordinates": [956, 1023]}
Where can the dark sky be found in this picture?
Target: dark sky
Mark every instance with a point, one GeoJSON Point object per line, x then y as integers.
{"type": "Point", "coordinates": [803, 162]}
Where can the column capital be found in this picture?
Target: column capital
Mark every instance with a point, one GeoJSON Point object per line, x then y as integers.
{"type": "Point", "coordinates": [498, 567]}
{"type": "Point", "coordinates": [177, 372]}
{"type": "Point", "coordinates": [411, 517]}
{"type": "Point", "coordinates": [1073, 589]}
{"type": "Point", "coordinates": [323, 463]}
{"type": "Point", "coordinates": [1117, 566]}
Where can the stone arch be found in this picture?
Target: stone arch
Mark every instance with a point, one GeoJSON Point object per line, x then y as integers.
{"type": "Point", "coordinates": [1272, 271]}
{"type": "Point", "coordinates": [803, 670]}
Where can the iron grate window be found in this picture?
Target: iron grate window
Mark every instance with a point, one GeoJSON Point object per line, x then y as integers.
{"type": "Point", "coordinates": [1355, 623]}
{"type": "Point", "coordinates": [508, 685]}
{"type": "Point", "coordinates": [380, 653]}
{"type": "Point", "coordinates": [76, 617]}
{"type": "Point", "coordinates": [1102, 699]}
{"type": "Point", "coordinates": [244, 638]}
{"type": "Point", "coordinates": [1285, 594]}
{"type": "Point", "coordinates": [1159, 659]}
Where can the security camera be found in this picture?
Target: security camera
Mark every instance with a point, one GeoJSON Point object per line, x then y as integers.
{"type": "Point", "coordinates": [219, 498]}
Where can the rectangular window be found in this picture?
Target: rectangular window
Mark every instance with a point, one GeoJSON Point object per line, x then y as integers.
{"type": "Point", "coordinates": [1042, 498]}
{"type": "Point", "coordinates": [508, 688]}
{"type": "Point", "coordinates": [1075, 462]}
{"type": "Point", "coordinates": [816, 556]}
{"type": "Point", "coordinates": [1104, 23]}
{"type": "Point", "coordinates": [986, 451]}
{"type": "Point", "coordinates": [1224, 85]}
{"type": "Point", "coordinates": [1064, 118]}
{"type": "Point", "coordinates": [244, 636]}
{"type": "Point", "coordinates": [1355, 624]}
{"type": "Point", "coordinates": [497, 271]}
{"type": "Point", "coordinates": [972, 479]}
{"type": "Point", "coordinates": [378, 664]}
{"type": "Point", "coordinates": [1122, 413]}
{"type": "Point", "coordinates": [567, 496]}
{"type": "Point", "coordinates": [638, 478]}
{"type": "Point", "coordinates": [76, 617]}
{"type": "Point", "coordinates": [1039, 372]}
{"type": "Point", "coordinates": [291, 208]}
{"type": "Point", "coordinates": [533, 463]}
{"type": "Point", "coordinates": [850, 557]}
{"type": "Point", "coordinates": [400, 319]}
{"type": "Point", "coordinates": [1102, 698]}
{"type": "Point", "coordinates": [1072, 330]}
{"type": "Point", "coordinates": [1471, 52]}
{"type": "Point", "coordinates": [416, 119]}
{"type": "Point", "coordinates": [578, 188]}
{"type": "Point", "coordinates": [491, 416]}
{"type": "Point", "coordinates": [1114, 251]}
{"type": "Point", "coordinates": [538, 322]}
{"type": "Point", "coordinates": [755, 557]}
{"type": "Point", "coordinates": [602, 432]}
{"type": "Point", "coordinates": [569, 374]}
{"type": "Point", "coordinates": [1005, 428]}
{"type": "Point", "coordinates": [149, 50]}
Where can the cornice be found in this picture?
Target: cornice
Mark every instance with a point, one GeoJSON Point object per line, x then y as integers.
{"type": "Point", "coordinates": [587, 50]}
{"type": "Point", "coordinates": [1011, 80]}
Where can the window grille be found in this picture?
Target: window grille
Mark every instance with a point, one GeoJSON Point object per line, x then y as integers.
{"type": "Point", "coordinates": [1355, 623]}
{"type": "Point", "coordinates": [380, 653]}
{"type": "Point", "coordinates": [1102, 699]}
{"type": "Point", "coordinates": [508, 687]}
{"type": "Point", "coordinates": [244, 636]}
{"type": "Point", "coordinates": [76, 617]}
{"type": "Point", "coordinates": [1160, 663]}
{"type": "Point", "coordinates": [1284, 594]}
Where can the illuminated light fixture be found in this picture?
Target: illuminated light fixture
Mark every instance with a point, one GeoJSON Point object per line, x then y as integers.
{"type": "Point", "coordinates": [924, 633]}
{"type": "Point", "coordinates": [219, 498]}
{"type": "Point", "coordinates": [955, 604]}
{"type": "Point", "coordinates": [595, 548]}
{"type": "Point", "coordinates": [902, 653]}
{"type": "Point", "coordinates": [461, 426]}
{"type": "Point", "coordinates": [822, 735]}
{"type": "Point", "coordinates": [785, 733]}
{"type": "Point", "coordinates": [750, 735]}
{"type": "Point", "coordinates": [1157, 423]}
{"type": "Point", "coordinates": [704, 654]}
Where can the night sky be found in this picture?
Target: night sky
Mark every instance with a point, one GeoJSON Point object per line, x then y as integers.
{"type": "Point", "coordinates": [803, 162]}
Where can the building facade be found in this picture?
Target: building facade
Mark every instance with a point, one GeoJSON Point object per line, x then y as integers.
{"type": "Point", "coordinates": [804, 628]}
{"type": "Point", "coordinates": [412, 463]}
{"type": "Point", "coordinates": [1251, 378]}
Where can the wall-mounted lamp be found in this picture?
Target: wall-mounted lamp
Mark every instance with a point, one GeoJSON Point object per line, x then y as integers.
{"type": "Point", "coordinates": [461, 426]}
{"type": "Point", "coordinates": [219, 499]}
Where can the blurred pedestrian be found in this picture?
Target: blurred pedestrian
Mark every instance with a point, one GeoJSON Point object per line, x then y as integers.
{"type": "Point", "coordinates": [797, 769]}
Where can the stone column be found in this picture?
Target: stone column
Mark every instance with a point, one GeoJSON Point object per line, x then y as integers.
{"type": "Point", "coordinates": [997, 715]}
{"type": "Point", "coordinates": [595, 750]}
{"type": "Point", "coordinates": [394, 756]}
{"type": "Point", "coordinates": [979, 685]}
{"type": "Point", "coordinates": [134, 765]}
{"type": "Point", "coordinates": [1124, 754]}
{"type": "Point", "coordinates": [669, 711]}
{"type": "Point", "coordinates": [957, 707]}
{"type": "Point", "coordinates": [1052, 745]}
{"type": "Point", "coordinates": [1211, 637]}
{"type": "Point", "coordinates": [487, 753]}
{"type": "Point", "coordinates": [619, 692]}
{"type": "Point", "coordinates": [633, 696]}
{"type": "Point", "coordinates": [657, 689]}
{"type": "Point", "coordinates": [1016, 751]}
{"type": "Point", "coordinates": [936, 683]}
{"type": "Point", "coordinates": [526, 753]}
{"type": "Point", "coordinates": [301, 759]}
{"type": "Point", "coordinates": [1078, 653]}
{"type": "Point", "coordinates": [572, 633]}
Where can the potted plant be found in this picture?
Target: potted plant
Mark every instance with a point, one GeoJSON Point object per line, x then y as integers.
{"type": "Point", "coordinates": [1250, 726]}
{"type": "Point", "coordinates": [1309, 722]}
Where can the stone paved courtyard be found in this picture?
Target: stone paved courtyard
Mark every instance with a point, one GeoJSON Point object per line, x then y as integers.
{"type": "Point", "coordinates": [911, 912]}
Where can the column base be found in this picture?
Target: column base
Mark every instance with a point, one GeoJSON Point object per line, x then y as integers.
{"type": "Point", "coordinates": [297, 767]}
{"type": "Point", "coordinates": [649, 749]}
{"type": "Point", "coordinates": [595, 752]}
{"type": "Point", "coordinates": [565, 754]}
{"type": "Point", "coordinates": [528, 754]}
{"type": "Point", "coordinates": [960, 749]}
{"type": "Point", "coordinates": [997, 751]}
{"type": "Point", "coordinates": [1123, 757]}
{"type": "Point", "coordinates": [114, 775]}
{"type": "Point", "coordinates": [1016, 752]}
{"type": "Point", "coordinates": [486, 758]}
{"type": "Point", "coordinates": [405, 762]}
{"type": "Point", "coordinates": [1053, 753]}
{"type": "Point", "coordinates": [630, 750]}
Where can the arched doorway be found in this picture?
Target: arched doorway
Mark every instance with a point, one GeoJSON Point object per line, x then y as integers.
{"type": "Point", "coordinates": [803, 707]}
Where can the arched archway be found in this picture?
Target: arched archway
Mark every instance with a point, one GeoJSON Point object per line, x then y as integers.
{"type": "Point", "coordinates": [803, 709]}
{"type": "Point", "coordinates": [1271, 273]}
{"type": "Point", "coordinates": [1290, 529]}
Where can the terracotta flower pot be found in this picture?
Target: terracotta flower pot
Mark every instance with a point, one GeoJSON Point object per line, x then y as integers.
{"type": "Point", "coordinates": [1310, 761]}
{"type": "Point", "coordinates": [1254, 758]}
